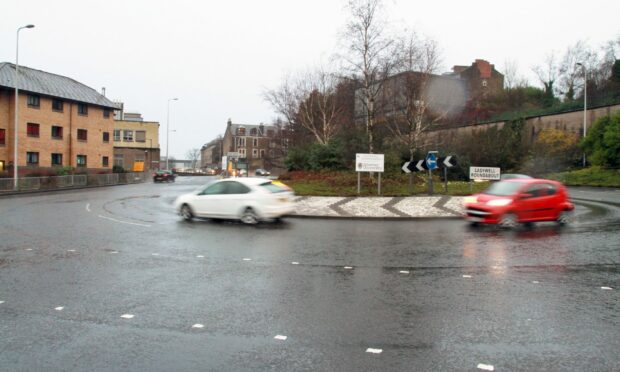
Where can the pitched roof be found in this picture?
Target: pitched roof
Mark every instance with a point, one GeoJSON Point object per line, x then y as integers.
{"type": "Point", "coordinates": [45, 83]}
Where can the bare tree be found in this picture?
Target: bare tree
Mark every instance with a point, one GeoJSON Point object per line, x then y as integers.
{"type": "Point", "coordinates": [368, 58]}
{"type": "Point", "coordinates": [570, 74]}
{"type": "Point", "coordinates": [409, 93]}
{"type": "Point", "coordinates": [548, 74]}
{"type": "Point", "coordinates": [512, 79]}
{"type": "Point", "coordinates": [193, 155]}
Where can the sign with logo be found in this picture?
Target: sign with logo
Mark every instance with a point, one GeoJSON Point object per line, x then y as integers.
{"type": "Point", "coordinates": [138, 166]}
{"type": "Point", "coordinates": [369, 162]}
{"type": "Point", "coordinates": [484, 173]}
{"type": "Point", "coordinates": [233, 155]}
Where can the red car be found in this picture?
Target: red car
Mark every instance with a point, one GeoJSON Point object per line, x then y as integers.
{"type": "Point", "coordinates": [520, 200]}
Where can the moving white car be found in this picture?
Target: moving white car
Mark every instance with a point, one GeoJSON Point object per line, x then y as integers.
{"type": "Point", "coordinates": [248, 199]}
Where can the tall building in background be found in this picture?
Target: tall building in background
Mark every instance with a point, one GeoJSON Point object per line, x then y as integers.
{"type": "Point", "coordinates": [136, 142]}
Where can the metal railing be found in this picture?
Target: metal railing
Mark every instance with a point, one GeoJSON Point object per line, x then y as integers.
{"type": "Point", "coordinates": [64, 182]}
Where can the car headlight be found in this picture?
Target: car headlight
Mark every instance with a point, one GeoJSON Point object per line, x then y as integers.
{"type": "Point", "coordinates": [499, 202]}
{"type": "Point", "coordinates": [470, 200]}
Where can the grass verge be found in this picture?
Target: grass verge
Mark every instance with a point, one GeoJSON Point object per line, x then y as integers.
{"type": "Point", "coordinates": [593, 176]}
{"type": "Point", "coordinates": [345, 184]}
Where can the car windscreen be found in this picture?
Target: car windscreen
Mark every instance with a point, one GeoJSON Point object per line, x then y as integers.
{"type": "Point", "coordinates": [503, 188]}
{"type": "Point", "coordinates": [272, 187]}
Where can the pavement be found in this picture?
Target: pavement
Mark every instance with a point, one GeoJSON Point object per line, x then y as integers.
{"type": "Point", "coordinates": [440, 206]}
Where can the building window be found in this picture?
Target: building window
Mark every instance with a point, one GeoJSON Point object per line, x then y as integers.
{"type": "Point", "coordinates": [484, 83]}
{"type": "Point", "coordinates": [56, 132]}
{"type": "Point", "coordinates": [81, 160]}
{"type": "Point", "coordinates": [118, 160]}
{"type": "Point", "coordinates": [128, 135]}
{"type": "Point", "coordinates": [241, 131]}
{"type": "Point", "coordinates": [32, 130]}
{"type": "Point", "coordinates": [106, 137]}
{"type": "Point", "coordinates": [255, 153]}
{"type": "Point", "coordinates": [253, 132]}
{"type": "Point", "coordinates": [272, 144]}
{"type": "Point", "coordinates": [271, 153]}
{"type": "Point", "coordinates": [261, 154]}
{"type": "Point", "coordinates": [255, 142]}
{"type": "Point", "coordinates": [117, 135]}
{"type": "Point", "coordinates": [242, 153]}
{"type": "Point", "coordinates": [82, 109]}
{"type": "Point", "coordinates": [106, 113]}
{"type": "Point", "coordinates": [269, 133]}
{"type": "Point", "coordinates": [241, 141]}
{"type": "Point", "coordinates": [82, 134]}
{"type": "Point", "coordinates": [2, 136]}
{"type": "Point", "coordinates": [105, 161]}
{"type": "Point", "coordinates": [34, 101]}
{"type": "Point", "coordinates": [56, 159]}
{"type": "Point", "coordinates": [32, 158]}
{"type": "Point", "coordinates": [140, 136]}
{"type": "Point", "coordinates": [57, 105]}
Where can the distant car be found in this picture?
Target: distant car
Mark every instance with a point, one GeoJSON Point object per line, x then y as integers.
{"type": "Point", "coordinates": [262, 172]}
{"type": "Point", "coordinates": [519, 200]}
{"type": "Point", "coordinates": [247, 199]}
{"type": "Point", "coordinates": [164, 176]}
{"type": "Point", "coordinates": [211, 172]}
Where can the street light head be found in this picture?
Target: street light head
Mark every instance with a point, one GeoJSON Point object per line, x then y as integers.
{"type": "Point", "coordinates": [29, 26]}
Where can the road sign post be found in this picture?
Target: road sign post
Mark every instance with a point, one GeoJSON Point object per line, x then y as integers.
{"type": "Point", "coordinates": [431, 163]}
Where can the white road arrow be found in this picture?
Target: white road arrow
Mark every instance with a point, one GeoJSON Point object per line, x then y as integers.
{"type": "Point", "coordinates": [446, 161]}
{"type": "Point", "coordinates": [405, 168]}
{"type": "Point", "coordinates": [419, 165]}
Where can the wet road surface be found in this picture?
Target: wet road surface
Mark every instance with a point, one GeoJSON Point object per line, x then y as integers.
{"type": "Point", "coordinates": [111, 279]}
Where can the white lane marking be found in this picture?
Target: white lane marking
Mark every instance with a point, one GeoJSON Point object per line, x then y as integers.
{"type": "Point", "coordinates": [70, 250]}
{"type": "Point", "coordinates": [374, 351]}
{"type": "Point", "coordinates": [486, 367]}
{"type": "Point", "coordinates": [607, 288]}
{"type": "Point", "coordinates": [59, 308]}
{"type": "Point", "coordinates": [1, 302]}
{"type": "Point", "coordinates": [281, 337]}
{"type": "Point", "coordinates": [404, 272]}
{"type": "Point", "coordinates": [247, 259]}
{"type": "Point", "coordinates": [198, 325]}
{"type": "Point", "coordinates": [466, 276]}
{"type": "Point", "coordinates": [200, 256]}
{"type": "Point", "coordinates": [294, 263]}
{"type": "Point", "coordinates": [127, 316]}
{"type": "Point", "coordinates": [28, 249]}
{"type": "Point", "coordinates": [348, 267]}
{"type": "Point", "coordinates": [88, 207]}
{"type": "Point", "coordinates": [535, 281]}
{"type": "Point", "coordinates": [154, 254]}
{"type": "Point", "coordinates": [113, 252]}
{"type": "Point", "coordinates": [125, 222]}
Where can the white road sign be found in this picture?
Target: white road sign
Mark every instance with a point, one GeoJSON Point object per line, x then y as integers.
{"type": "Point", "coordinates": [484, 173]}
{"type": "Point", "coordinates": [224, 162]}
{"type": "Point", "coordinates": [369, 162]}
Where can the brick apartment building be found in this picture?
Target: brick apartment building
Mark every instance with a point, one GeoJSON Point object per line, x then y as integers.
{"type": "Point", "coordinates": [136, 142]}
{"type": "Point", "coordinates": [259, 145]}
{"type": "Point", "coordinates": [61, 123]}
{"type": "Point", "coordinates": [211, 154]}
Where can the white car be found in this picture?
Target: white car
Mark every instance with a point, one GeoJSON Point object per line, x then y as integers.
{"type": "Point", "coordinates": [248, 199]}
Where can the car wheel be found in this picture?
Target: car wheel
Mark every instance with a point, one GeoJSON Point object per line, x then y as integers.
{"type": "Point", "coordinates": [564, 218]}
{"type": "Point", "coordinates": [508, 221]}
{"type": "Point", "coordinates": [186, 212]}
{"type": "Point", "coordinates": [249, 216]}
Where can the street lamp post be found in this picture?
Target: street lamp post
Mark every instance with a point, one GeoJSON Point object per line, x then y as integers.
{"type": "Point", "coordinates": [15, 152]}
{"type": "Point", "coordinates": [168, 128]}
{"type": "Point", "coordinates": [585, 105]}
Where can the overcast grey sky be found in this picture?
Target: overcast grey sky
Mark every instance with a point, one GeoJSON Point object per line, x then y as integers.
{"type": "Point", "coordinates": [218, 56]}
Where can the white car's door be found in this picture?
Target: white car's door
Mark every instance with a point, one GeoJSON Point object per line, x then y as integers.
{"type": "Point", "coordinates": [208, 203]}
{"type": "Point", "coordinates": [236, 198]}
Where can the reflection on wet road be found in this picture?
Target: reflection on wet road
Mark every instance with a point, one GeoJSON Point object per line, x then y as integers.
{"type": "Point", "coordinates": [112, 279]}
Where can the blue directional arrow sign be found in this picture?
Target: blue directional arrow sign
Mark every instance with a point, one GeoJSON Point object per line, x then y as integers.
{"type": "Point", "coordinates": [431, 160]}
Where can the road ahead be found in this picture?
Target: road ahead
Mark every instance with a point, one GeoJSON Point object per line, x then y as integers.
{"type": "Point", "coordinates": [424, 294]}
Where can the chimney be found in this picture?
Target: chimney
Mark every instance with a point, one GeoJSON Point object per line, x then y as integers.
{"type": "Point", "coordinates": [103, 91]}
{"type": "Point", "coordinates": [229, 122]}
